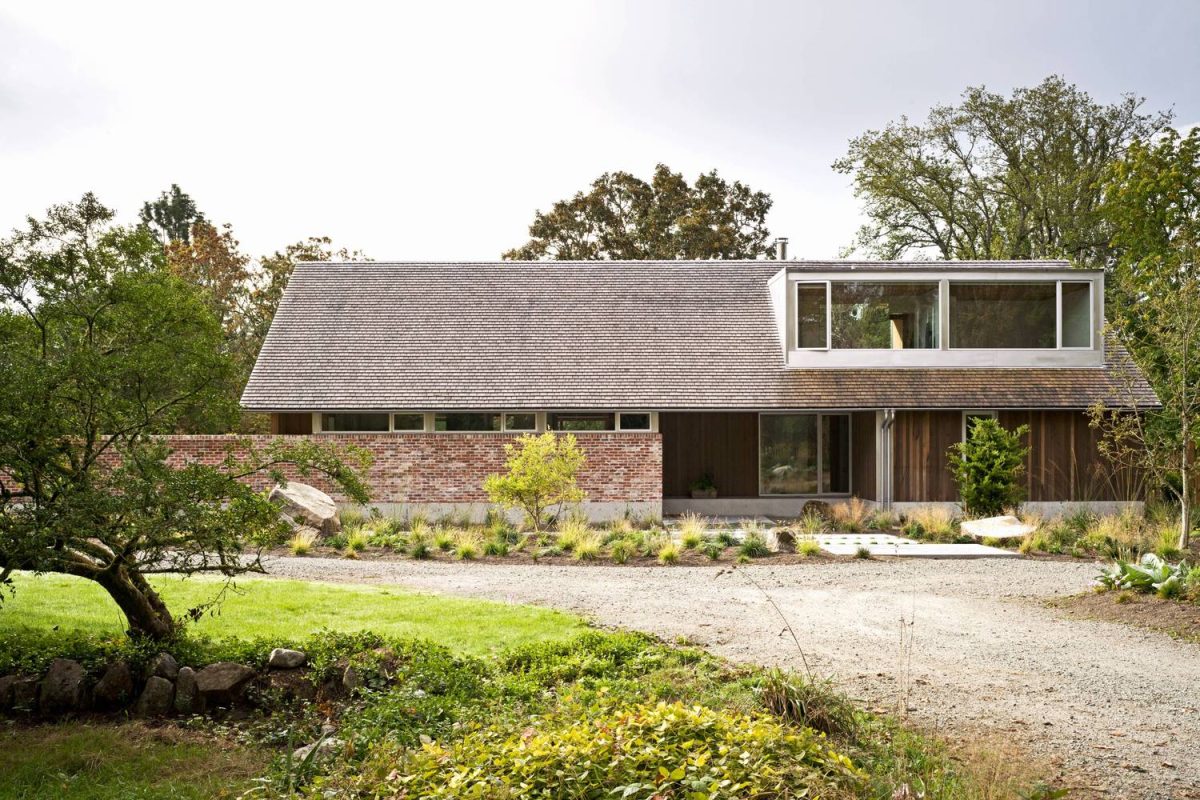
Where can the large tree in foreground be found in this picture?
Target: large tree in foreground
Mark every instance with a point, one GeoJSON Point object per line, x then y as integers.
{"type": "Point", "coordinates": [625, 217]}
{"type": "Point", "coordinates": [101, 347]}
{"type": "Point", "coordinates": [1153, 203]}
{"type": "Point", "coordinates": [995, 177]}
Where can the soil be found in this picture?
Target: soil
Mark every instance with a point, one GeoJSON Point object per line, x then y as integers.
{"type": "Point", "coordinates": [1115, 709]}
{"type": "Point", "coordinates": [1177, 618]}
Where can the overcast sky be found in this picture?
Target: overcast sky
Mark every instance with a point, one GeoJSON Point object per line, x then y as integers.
{"type": "Point", "coordinates": [434, 130]}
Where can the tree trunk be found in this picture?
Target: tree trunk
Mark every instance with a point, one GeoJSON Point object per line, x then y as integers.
{"type": "Point", "coordinates": [146, 612]}
{"type": "Point", "coordinates": [1185, 496]}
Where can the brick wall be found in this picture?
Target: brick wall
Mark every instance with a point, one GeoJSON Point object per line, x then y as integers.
{"type": "Point", "coordinates": [451, 467]}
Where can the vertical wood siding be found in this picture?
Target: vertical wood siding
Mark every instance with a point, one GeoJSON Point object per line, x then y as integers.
{"type": "Point", "coordinates": [721, 444]}
{"type": "Point", "coordinates": [920, 441]}
{"type": "Point", "coordinates": [291, 423]}
{"type": "Point", "coordinates": [862, 454]}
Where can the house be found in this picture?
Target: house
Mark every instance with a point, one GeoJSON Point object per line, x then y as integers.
{"type": "Point", "coordinates": [774, 381]}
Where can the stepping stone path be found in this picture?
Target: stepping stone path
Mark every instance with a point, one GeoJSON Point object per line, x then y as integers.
{"type": "Point", "coordinates": [885, 544]}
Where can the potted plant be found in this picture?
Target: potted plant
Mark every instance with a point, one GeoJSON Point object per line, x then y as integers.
{"type": "Point", "coordinates": [704, 488]}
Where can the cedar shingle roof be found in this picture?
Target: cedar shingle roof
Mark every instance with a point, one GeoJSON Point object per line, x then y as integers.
{"type": "Point", "coordinates": [580, 335]}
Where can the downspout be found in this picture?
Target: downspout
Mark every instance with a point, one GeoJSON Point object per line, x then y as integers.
{"type": "Point", "coordinates": [885, 442]}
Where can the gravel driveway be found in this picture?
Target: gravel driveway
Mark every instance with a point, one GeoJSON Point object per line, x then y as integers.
{"type": "Point", "coordinates": [1118, 708]}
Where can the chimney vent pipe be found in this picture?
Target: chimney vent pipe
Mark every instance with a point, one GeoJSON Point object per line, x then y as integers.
{"type": "Point", "coordinates": [781, 248]}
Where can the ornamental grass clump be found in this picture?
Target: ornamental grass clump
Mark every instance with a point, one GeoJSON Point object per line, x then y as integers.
{"type": "Point", "coordinates": [443, 540]}
{"type": "Point", "coordinates": [812, 524]}
{"type": "Point", "coordinates": [668, 553]}
{"type": "Point", "coordinates": [570, 531]}
{"type": "Point", "coordinates": [850, 516]}
{"type": "Point", "coordinates": [930, 522]}
{"type": "Point", "coordinates": [713, 550]}
{"type": "Point", "coordinates": [622, 550]}
{"type": "Point", "coordinates": [467, 544]}
{"type": "Point", "coordinates": [808, 548]}
{"type": "Point", "coordinates": [754, 545]}
{"type": "Point", "coordinates": [357, 540]}
{"type": "Point", "coordinates": [587, 547]}
{"type": "Point", "coordinates": [302, 541]}
{"type": "Point", "coordinates": [692, 527]}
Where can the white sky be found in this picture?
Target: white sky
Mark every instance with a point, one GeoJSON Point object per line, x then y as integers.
{"type": "Point", "coordinates": [434, 130]}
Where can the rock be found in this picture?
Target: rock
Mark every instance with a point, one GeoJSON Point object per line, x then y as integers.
{"type": "Point", "coordinates": [115, 687]}
{"type": "Point", "coordinates": [304, 505]}
{"type": "Point", "coordinates": [185, 691]}
{"type": "Point", "coordinates": [351, 679]}
{"type": "Point", "coordinates": [282, 658]}
{"type": "Point", "coordinates": [165, 666]}
{"type": "Point", "coordinates": [157, 699]}
{"type": "Point", "coordinates": [25, 694]}
{"type": "Point", "coordinates": [782, 540]}
{"type": "Point", "coordinates": [324, 747]}
{"type": "Point", "coordinates": [1005, 527]}
{"type": "Point", "coordinates": [222, 683]}
{"type": "Point", "coordinates": [64, 688]}
{"type": "Point", "coordinates": [6, 691]}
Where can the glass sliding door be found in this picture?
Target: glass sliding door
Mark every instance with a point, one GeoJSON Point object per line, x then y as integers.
{"type": "Point", "coordinates": [801, 454]}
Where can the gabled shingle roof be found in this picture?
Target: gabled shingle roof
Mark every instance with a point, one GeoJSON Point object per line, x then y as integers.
{"type": "Point", "coordinates": [579, 335]}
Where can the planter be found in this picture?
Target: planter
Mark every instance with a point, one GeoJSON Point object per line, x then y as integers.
{"type": "Point", "coordinates": [704, 494]}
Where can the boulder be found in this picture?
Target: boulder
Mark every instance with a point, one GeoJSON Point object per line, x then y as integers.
{"type": "Point", "coordinates": [324, 747]}
{"type": "Point", "coordinates": [165, 666]}
{"type": "Point", "coordinates": [303, 505]}
{"type": "Point", "coordinates": [351, 679]}
{"type": "Point", "coordinates": [1005, 527]}
{"type": "Point", "coordinates": [115, 687]}
{"type": "Point", "coordinates": [185, 691]}
{"type": "Point", "coordinates": [282, 658]}
{"type": "Point", "coordinates": [157, 699]}
{"type": "Point", "coordinates": [222, 683]}
{"type": "Point", "coordinates": [25, 694]}
{"type": "Point", "coordinates": [6, 691]}
{"type": "Point", "coordinates": [64, 688]}
{"type": "Point", "coordinates": [781, 540]}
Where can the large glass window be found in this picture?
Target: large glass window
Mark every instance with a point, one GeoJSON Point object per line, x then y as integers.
{"type": "Point", "coordinates": [804, 453]}
{"type": "Point", "coordinates": [577, 421]}
{"type": "Point", "coordinates": [408, 421]}
{"type": "Point", "coordinates": [520, 422]}
{"type": "Point", "coordinates": [636, 421]}
{"type": "Point", "coordinates": [1003, 315]}
{"type": "Point", "coordinates": [466, 421]}
{"type": "Point", "coordinates": [1076, 314]}
{"type": "Point", "coordinates": [811, 316]}
{"type": "Point", "coordinates": [884, 316]}
{"type": "Point", "coordinates": [357, 423]}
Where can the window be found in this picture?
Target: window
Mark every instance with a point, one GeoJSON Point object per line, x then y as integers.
{"type": "Point", "coordinates": [520, 422]}
{"type": "Point", "coordinates": [581, 421]}
{"type": "Point", "coordinates": [466, 421]}
{"type": "Point", "coordinates": [970, 418]}
{"type": "Point", "coordinates": [1076, 314]}
{"type": "Point", "coordinates": [357, 423]}
{"type": "Point", "coordinates": [635, 422]}
{"type": "Point", "coordinates": [990, 316]}
{"type": "Point", "coordinates": [408, 421]}
{"type": "Point", "coordinates": [883, 316]}
{"type": "Point", "coordinates": [812, 317]}
{"type": "Point", "coordinates": [804, 454]}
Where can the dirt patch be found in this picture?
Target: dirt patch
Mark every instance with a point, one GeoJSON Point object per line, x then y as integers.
{"type": "Point", "coordinates": [1180, 619]}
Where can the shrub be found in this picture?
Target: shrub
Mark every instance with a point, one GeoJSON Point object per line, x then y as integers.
{"type": "Point", "coordinates": [862, 552]}
{"type": "Point", "coordinates": [653, 541]}
{"type": "Point", "coordinates": [754, 545]}
{"type": "Point", "coordinates": [496, 546]}
{"type": "Point", "coordinates": [713, 549]}
{"type": "Point", "coordinates": [540, 474]}
{"type": "Point", "coordinates": [587, 547]}
{"type": "Point", "coordinates": [1150, 574]}
{"type": "Point", "coordinates": [621, 550]}
{"type": "Point", "coordinates": [302, 541]}
{"type": "Point", "coordinates": [357, 540]}
{"type": "Point", "coordinates": [642, 750]}
{"type": "Point", "coordinates": [727, 537]}
{"type": "Point", "coordinates": [850, 516]}
{"type": "Point", "coordinates": [987, 467]}
{"type": "Point", "coordinates": [883, 521]}
{"type": "Point", "coordinates": [808, 547]}
{"type": "Point", "coordinates": [419, 549]}
{"type": "Point", "coordinates": [668, 553]}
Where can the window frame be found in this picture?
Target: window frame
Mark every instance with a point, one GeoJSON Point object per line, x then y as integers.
{"type": "Point", "coordinates": [649, 421]}
{"type": "Point", "coordinates": [505, 428]}
{"type": "Point", "coordinates": [395, 414]}
{"type": "Point", "coordinates": [828, 314]}
{"type": "Point", "coordinates": [388, 414]}
{"type": "Point", "coordinates": [1091, 307]}
{"type": "Point", "coordinates": [937, 332]}
{"type": "Point", "coordinates": [820, 453]}
{"type": "Point", "coordinates": [434, 415]}
{"type": "Point", "coordinates": [1058, 314]}
{"type": "Point", "coordinates": [976, 412]}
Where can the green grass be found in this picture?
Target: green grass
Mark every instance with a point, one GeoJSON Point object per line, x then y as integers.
{"type": "Point", "coordinates": [288, 609]}
{"type": "Point", "coordinates": [122, 762]}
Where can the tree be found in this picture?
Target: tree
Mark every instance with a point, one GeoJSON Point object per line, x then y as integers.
{"type": "Point", "coordinates": [1152, 200]}
{"type": "Point", "coordinates": [171, 217]}
{"type": "Point", "coordinates": [540, 473]}
{"type": "Point", "coordinates": [987, 467]}
{"type": "Point", "coordinates": [101, 348]}
{"type": "Point", "coordinates": [995, 177]}
{"type": "Point", "coordinates": [624, 217]}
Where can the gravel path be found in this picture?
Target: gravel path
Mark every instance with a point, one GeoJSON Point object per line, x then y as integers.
{"type": "Point", "coordinates": [1118, 708]}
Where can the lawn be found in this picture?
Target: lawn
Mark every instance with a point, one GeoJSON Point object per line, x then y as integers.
{"type": "Point", "coordinates": [263, 607]}
{"type": "Point", "coordinates": [126, 762]}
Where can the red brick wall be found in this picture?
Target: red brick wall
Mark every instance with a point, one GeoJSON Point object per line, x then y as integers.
{"type": "Point", "coordinates": [451, 467]}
